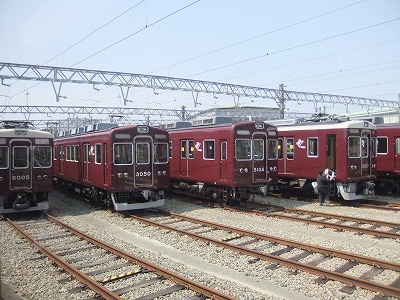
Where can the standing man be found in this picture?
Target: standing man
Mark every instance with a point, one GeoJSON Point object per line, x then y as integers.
{"type": "Point", "coordinates": [323, 187]}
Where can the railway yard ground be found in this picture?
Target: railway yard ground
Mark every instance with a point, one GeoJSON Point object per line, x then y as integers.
{"type": "Point", "coordinates": [27, 274]}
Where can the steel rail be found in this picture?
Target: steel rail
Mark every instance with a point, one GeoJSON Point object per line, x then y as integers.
{"type": "Point", "coordinates": [195, 286]}
{"type": "Point", "coordinates": [381, 233]}
{"type": "Point", "coordinates": [351, 280]}
{"type": "Point", "coordinates": [80, 276]}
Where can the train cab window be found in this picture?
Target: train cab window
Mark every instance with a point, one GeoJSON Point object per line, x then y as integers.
{"type": "Point", "coordinates": [20, 157]}
{"type": "Point", "coordinates": [41, 157]}
{"type": "Point", "coordinates": [97, 153]}
{"type": "Point", "coordinates": [3, 157]}
{"type": "Point", "coordinates": [142, 153]}
{"type": "Point", "coordinates": [364, 147]}
{"type": "Point", "coordinates": [243, 149]}
{"type": "Point", "coordinates": [290, 148]}
{"type": "Point", "coordinates": [382, 145]}
{"type": "Point", "coordinates": [280, 148]}
{"type": "Point", "coordinates": [273, 149]}
{"type": "Point", "coordinates": [258, 149]}
{"type": "Point", "coordinates": [160, 153]}
{"type": "Point", "coordinates": [209, 149]}
{"type": "Point", "coordinates": [354, 149]}
{"type": "Point", "coordinates": [312, 147]}
{"type": "Point", "coordinates": [123, 154]}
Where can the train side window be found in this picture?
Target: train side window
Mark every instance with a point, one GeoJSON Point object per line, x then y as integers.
{"type": "Point", "coordinates": [364, 147]}
{"type": "Point", "coordinates": [76, 150]}
{"type": "Point", "coordinates": [3, 157]}
{"type": "Point", "coordinates": [209, 149]}
{"type": "Point", "coordinates": [312, 147]}
{"type": "Point", "coordinates": [170, 148]}
{"type": "Point", "coordinates": [61, 152]}
{"type": "Point", "coordinates": [224, 150]}
{"type": "Point", "coordinates": [273, 149]}
{"type": "Point", "coordinates": [243, 149]}
{"type": "Point", "coordinates": [55, 152]}
{"type": "Point", "coordinates": [354, 149]}
{"type": "Point", "coordinates": [160, 153]}
{"type": "Point", "coordinates": [142, 153]}
{"type": "Point", "coordinates": [191, 148]}
{"type": "Point", "coordinates": [123, 154]}
{"type": "Point", "coordinates": [20, 157]}
{"type": "Point", "coordinates": [382, 145]}
{"type": "Point", "coordinates": [373, 147]}
{"type": "Point", "coordinates": [97, 153]}
{"type": "Point", "coordinates": [183, 149]}
{"type": "Point", "coordinates": [280, 148]}
{"type": "Point", "coordinates": [41, 157]}
{"type": "Point", "coordinates": [68, 153]}
{"type": "Point", "coordinates": [290, 148]}
{"type": "Point", "coordinates": [258, 150]}
{"type": "Point", "coordinates": [398, 146]}
{"type": "Point", "coordinates": [86, 153]}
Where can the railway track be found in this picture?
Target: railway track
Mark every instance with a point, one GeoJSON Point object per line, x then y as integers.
{"type": "Point", "coordinates": [338, 222]}
{"type": "Point", "coordinates": [98, 266]}
{"type": "Point", "coordinates": [294, 255]}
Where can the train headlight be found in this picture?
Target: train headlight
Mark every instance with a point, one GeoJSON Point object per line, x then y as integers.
{"type": "Point", "coordinates": [246, 170]}
{"type": "Point", "coordinates": [1, 178]}
{"type": "Point", "coordinates": [120, 175]}
{"type": "Point", "coordinates": [353, 167]}
{"type": "Point", "coordinates": [39, 177]}
{"type": "Point", "coordinates": [162, 173]}
{"type": "Point", "coordinates": [126, 175]}
{"type": "Point", "coordinates": [45, 176]}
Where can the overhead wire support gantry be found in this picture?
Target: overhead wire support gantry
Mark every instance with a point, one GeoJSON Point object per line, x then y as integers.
{"type": "Point", "coordinates": [127, 80]}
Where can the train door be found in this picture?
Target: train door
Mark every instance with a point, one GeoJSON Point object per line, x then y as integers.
{"type": "Point", "coordinates": [86, 161]}
{"type": "Point", "coordinates": [143, 166]}
{"type": "Point", "coordinates": [21, 166]}
{"type": "Point", "coordinates": [331, 151]}
{"type": "Point", "coordinates": [260, 156]}
{"type": "Point", "coordinates": [223, 162]}
{"type": "Point", "coordinates": [397, 155]}
{"type": "Point", "coordinates": [286, 153]}
{"type": "Point", "coordinates": [187, 154]}
{"type": "Point", "coordinates": [366, 157]}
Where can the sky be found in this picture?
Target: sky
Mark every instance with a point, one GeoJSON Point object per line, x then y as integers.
{"type": "Point", "coordinates": [340, 47]}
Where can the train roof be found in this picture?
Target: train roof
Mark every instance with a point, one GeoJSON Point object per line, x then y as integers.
{"type": "Point", "coordinates": [24, 133]}
{"type": "Point", "coordinates": [327, 125]}
{"type": "Point", "coordinates": [224, 125]}
{"type": "Point", "coordinates": [388, 125]}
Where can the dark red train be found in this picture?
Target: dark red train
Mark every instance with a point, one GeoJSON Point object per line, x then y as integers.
{"type": "Point", "coordinates": [346, 148]}
{"type": "Point", "coordinates": [123, 167]}
{"type": "Point", "coordinates": [388, 157]}
{"type": "Point", "coordinates": [25, 167]}
{"type": "Point", "coordinates": [225, 162]}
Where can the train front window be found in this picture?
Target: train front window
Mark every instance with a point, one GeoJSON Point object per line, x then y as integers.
{"type": "Point", "coordinates": [258, 150]}
{"type": "Point", "coordinates": [273, 149]}
{"type": "Point", "coordinates": [20, 157]}
{"type": "Point", "coordinates": [243, 149]}
{"type": "Point", "coordinates": [354, 147]}
{"type": "Point", "coordinates": [160, 153]}
{"type": "Point", "coordinates": [123, 154]}
{"type": "Point", "coordinates": [364, 147]}
{"type": "Point", "coordinates": [3, 157]}
{"type": "Point", "coordinates": [142, 153]}
{"type": "Point", "coordinates": [41, 157]}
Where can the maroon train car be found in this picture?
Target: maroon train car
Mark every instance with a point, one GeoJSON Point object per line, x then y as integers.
{"type": "Point", "coordinates": [347, 148]}
{"type": "Point", "coordinates": [226, 162]}
{"type": "Point", "coordinates": [125, 167]}
{"type": "Point", "coordinates": [25, 167]}
{"type": "Point", "coordinates": [388, 157]}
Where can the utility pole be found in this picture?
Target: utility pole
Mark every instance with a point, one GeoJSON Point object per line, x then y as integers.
{"type": "Point", "coordinates": [281, 102]}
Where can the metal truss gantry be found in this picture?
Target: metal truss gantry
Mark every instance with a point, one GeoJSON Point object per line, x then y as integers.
{"type": "Point", "coordinates": [127, 80]}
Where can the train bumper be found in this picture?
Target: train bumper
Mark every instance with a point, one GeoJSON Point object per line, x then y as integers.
{"type": "Point", "coordinates": [356, 191]}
